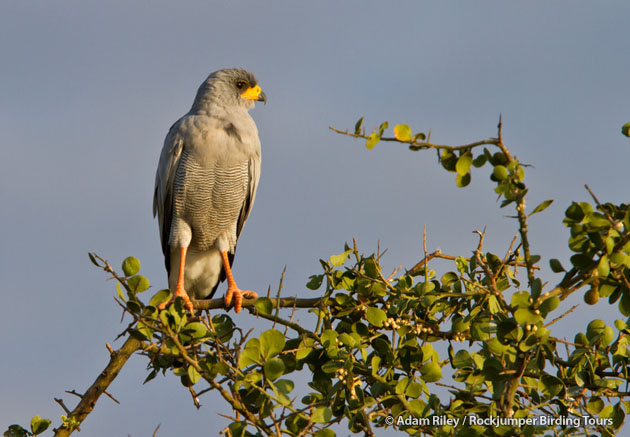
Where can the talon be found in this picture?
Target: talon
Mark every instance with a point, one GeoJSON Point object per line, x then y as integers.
{"type": "Point", "coordinates": [238, 296]}
{"type": "Point", "coordinates": [233, 292]}
{"type": "Point", "coordinates": [179, 292]}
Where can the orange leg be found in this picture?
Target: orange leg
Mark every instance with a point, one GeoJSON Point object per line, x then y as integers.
{"type": "Point", "coordinates": [179, 288]}
{"type": "Point", "coordinates": [233, 291]}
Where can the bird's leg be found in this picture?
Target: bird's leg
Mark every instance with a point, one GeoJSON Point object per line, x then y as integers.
{"type": "Point", "coordinates": [179, 288]}
{"type": "Point", "coordinates": [233, 291]}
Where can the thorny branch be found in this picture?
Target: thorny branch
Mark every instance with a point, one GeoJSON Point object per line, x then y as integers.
{"type": "Point", "coordinates": [88, 399]}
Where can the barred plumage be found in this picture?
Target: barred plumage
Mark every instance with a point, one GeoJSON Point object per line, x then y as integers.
{"type": "Point", "coordinates": [209, 200]}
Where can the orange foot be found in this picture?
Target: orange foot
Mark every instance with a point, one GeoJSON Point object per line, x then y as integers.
{"type": "Point", "coordinates": [179, 292]}
{"type": "Point", "coordinates": [237, 294]}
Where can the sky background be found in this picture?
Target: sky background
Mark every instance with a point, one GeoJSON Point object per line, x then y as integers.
{"type": "Point", "coordinates": [88, 91]}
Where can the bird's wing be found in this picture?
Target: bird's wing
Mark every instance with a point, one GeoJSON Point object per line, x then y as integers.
{"type": "Point", "coordinates": [248, 202]}
{"type": "Point", "coordinates": [164, 179]}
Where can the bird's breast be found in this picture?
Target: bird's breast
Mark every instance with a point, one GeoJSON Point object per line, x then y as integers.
{"type": "Point", "coordinates": [209, 198]}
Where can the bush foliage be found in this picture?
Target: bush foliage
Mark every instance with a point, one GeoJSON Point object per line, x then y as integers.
{"type": "Point", "coordinates": [466, 351]}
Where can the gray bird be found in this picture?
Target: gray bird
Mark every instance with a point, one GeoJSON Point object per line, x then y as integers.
{"type": "Point", "coordinates": [206, 184]}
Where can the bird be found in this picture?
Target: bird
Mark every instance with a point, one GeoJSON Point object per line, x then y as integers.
{"type": "Point", "coordinates": [205, 187]}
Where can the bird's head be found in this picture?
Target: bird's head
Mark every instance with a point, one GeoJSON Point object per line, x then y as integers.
{"type": "Point", "coordinates": [230, 87]}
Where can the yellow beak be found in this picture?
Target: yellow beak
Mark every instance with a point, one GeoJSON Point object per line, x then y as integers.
{"type": "Point", "coordinates": [254, 93]}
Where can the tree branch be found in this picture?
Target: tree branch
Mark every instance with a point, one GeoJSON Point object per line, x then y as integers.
{"type": "Point", "coordinates": [417, 145]}
{"type": "Point", "coordinates": [285, 302]}
{"type": "Point", "coordinates": [104, 379]}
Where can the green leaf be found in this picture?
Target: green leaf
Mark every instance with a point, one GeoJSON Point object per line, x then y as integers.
{"type": "Point", "coordinates": [347, 339]}
{"type": "Point", "coordinates": [331, 366]}
{"type": "Point", "coordinates": [463, 163]}
{"type": "Point", "coordinates": [520, 299]}
{"type": "Point", "coordinates": [624, 305]}
{"type": "Point", "coordinates": [251, 354]}
{"type": "Point", "coordinates": [134, 307]}
{"type": "Point", "coordinates": [620, 259]}
{"type": "Point", "coordinates": [131, 266]}
{"type": "Point", "coordinates": [448, 160]}
{"type": "Point", "coordinates": [160, 297]}
{"type": "Point", "coordinates": [138, 283]}
{"type": "Point", "coordinates": [574, 212]}
{"type": "Point", "coordinates": [305, 348]}
{"type": "Point", "coordinates": [376, 316]}
{"type": "Point", "coordinates": [16, 431]}
{"type": "Point", "coordinates": [556, 266]}
{"type": "Point", "coordinates": [550, 386]}
{"type": "Point", "coordinates": [357, 127]}
{"type": "Point", "coordinates": [462, 359]}
{"type": "Point", "coordinates": [271, 343]}
{"type": "Point", "coordinates": [119, 292]}
{"type": "Point", "coordinates": [384, 125]}
{"type": "Point", "coordinates": [541, 207]}
{"type": "Point", "coordinates": [339, 260]}
{"type": "Point", "coordinates": [39, 425]}
{"type": "Point", "coordinates": [321, 415]}
{"type": "Point", "coordinates": [93, 259]}
{"type": "Point", "coordinates": [329, 338]}
{"type": "Point", "coordinates": [286, 386]}
{"type": "Point", "coordinates": [274, 368]}
{"type": "Point", "coordinates": [372, 140]}
{"type": "Point", "coordinates": [524, 316]}
{"type": "Point", "coordinates": [500, 172]}
{"type": "Point", "coordinates": [371, 268]}
{"type": "Point", "coordinates": [480, 160]}
{"type": "Point", "coordinates": [420, 136]}
{"type": "Point", "coordinates": [402, 132]}
{"type": "Point", "coordinates": [594, 328]}
{"type": "Point", "coordinates": [603, 267]}
{"type": "Point", "coordinates": [431, 372]}
{"type": "Point", "coordinates": [625, 129]}
{"type": "Point", "coordinates": [315, 281]}
{"type": "Point", "coordinates": [197, 330]}
{"type": "Point", "coordinates": [263, 305]}
{"type": "Point", "coordinates": [462, 181]}
{"type": "Point", "coordinates": [548, 305]}
{"type": "Point", "coordinates": [193, 375]}
{"type": "Point", "coordinates": [325, 433]}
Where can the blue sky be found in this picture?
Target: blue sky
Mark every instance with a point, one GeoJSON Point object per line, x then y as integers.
{"type": "Point", "coordinates": [89, 90]}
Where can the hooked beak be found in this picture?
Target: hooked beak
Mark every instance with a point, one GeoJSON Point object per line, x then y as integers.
{"type": "Point", "coordinates": [254, 93]}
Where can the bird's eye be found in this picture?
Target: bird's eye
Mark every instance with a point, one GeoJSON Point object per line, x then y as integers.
{"type": "Point", "coordinates": [240, 84]}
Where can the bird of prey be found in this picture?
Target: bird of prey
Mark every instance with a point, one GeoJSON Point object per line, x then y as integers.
{"type": "Point", "coordinates": [206, 184]}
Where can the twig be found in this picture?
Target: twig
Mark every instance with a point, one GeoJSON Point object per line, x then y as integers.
{"type": "Point", "coordinates": [60, 402]}
{"type": "Point", "coordinates": [195, 397]}
{"type": "Point", "coordinates": [281, 321]}
{"type": "Point", "coordinates": [601, 207]}
{"type": "Point", "coordinates": [109, 395]}
{"type": "Point", "coordinates": [438, 254]}
{"type": "Point", "coordinates": [156, 429]}
{"type": "Point", "coordinates": [88, 400]}
{"type": "Point", "coordinates": [484, 266]}
{"type": "Point", "coordinates": [570, 310]}
{"type": "Point", "coordinates": [285, 302]}
{"type": "Point", "coordinates": [416, 145]}
{"type": "Point", "coordinates": [426, 261]}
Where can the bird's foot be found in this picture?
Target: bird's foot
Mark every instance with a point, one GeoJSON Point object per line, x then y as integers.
{"type": "Point", "coordinates": [238, 295]}
{"type": "Point", "coordinates": [179, 292]}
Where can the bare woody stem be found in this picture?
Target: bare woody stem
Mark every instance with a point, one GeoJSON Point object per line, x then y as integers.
{"type": "Point", "coordinates": [105, 378]}
{"type": "Point", "coordinates": [285, 302]}
{"type": "Point", "coordinates": [417, 145]}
